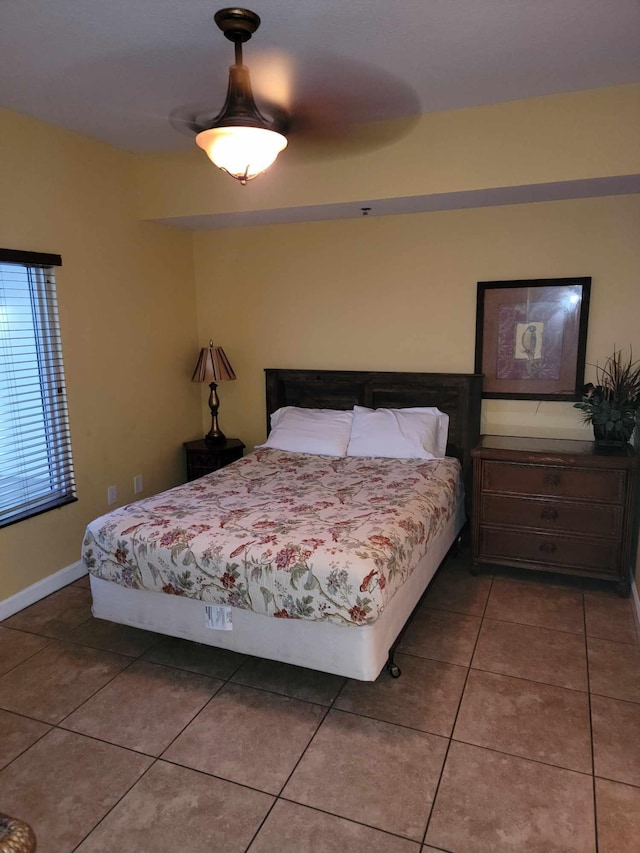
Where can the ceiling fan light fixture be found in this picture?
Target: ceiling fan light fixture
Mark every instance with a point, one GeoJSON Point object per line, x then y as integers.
{"type": "Point", "coordinates": [242, 152]}
{"type": "Point", "coordinates": [240, 140]}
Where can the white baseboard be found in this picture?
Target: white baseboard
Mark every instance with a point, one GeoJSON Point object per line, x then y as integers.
{"type": "Point", "coordinates": [41, 589]}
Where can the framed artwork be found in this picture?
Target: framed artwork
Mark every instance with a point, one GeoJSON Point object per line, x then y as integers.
{"type": "Point", "coordinates": [531, 337]}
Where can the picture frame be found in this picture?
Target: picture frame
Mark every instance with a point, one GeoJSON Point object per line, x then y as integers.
{"type": "Point", "coordinates": [531, 338]}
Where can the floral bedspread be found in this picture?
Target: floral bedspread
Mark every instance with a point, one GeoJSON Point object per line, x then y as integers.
{"type": "Point", "coordinates": [284, 534]}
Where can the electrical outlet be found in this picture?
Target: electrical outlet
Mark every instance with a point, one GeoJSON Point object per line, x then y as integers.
{"type": "Point", "coordinates": [137, 484]}
{"type": "Point", "coordinates": [112, 495]}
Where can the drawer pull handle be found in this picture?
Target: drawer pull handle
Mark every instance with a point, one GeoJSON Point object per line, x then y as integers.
{"type": "Point", "coordinates": [551, 480]}
{"type": "Point", "coordinates": [548, 547]}
{"type": "Point", "coordinates": [549, 514]}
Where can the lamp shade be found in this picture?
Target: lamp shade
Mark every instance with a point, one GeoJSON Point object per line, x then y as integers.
{"type": "Point", "coordinates": [212, 365]}
{"type": "Point", "coordinates": [243, 152]}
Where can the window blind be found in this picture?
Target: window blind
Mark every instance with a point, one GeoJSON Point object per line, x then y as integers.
{"type": "Point", "coordinates": [36, 467]}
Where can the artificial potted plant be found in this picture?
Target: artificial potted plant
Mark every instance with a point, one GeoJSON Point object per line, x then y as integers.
{"type": "Point", "coordinates": [612, 405]}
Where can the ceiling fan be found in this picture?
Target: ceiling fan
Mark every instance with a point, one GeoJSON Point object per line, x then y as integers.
{"type": "Point", "coordinates": [244, 140]}
{"type": "Point", "coordinates": [240, 140]}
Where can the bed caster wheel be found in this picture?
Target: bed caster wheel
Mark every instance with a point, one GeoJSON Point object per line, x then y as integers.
{"type": "Point", "coordinates": [394, 670]}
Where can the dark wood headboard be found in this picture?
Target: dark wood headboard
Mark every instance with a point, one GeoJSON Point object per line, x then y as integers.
{"type": "Point", "coordinates": [457, 394]}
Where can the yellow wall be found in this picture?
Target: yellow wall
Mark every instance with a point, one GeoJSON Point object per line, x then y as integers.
{"type": "Point", "coordinates": [137, 298]}
{"type": "Point", "coordinates": [575, 136]}
{"type": "Point", "coordinates": [399, 293]}
{"type": "Point", "coordinates": [128, 318]}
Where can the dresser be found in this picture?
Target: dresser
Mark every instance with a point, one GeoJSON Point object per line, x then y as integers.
{"type": "Point", "coordinates": [554, 505]}
{"type": "Point", "coordinates": [203, 457]}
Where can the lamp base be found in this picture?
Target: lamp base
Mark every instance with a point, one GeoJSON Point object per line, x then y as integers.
{"type": "Point", "coordinates": [215, 434]}
{"type": "Point", "coordinates": [215, 438]}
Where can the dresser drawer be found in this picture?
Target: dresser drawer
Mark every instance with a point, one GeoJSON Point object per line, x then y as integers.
{"type": "Point", "coordinates": [561, 516]}
{"type": "Point", "coordinates": [545, 480]}
{"type": "Point", "coordinates": [516, 546]}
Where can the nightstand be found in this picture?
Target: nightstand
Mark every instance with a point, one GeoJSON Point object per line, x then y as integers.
{"type": "Point", "coordinates": [204, 457]}
{"type": "Point", "coordinates": [554, 505]}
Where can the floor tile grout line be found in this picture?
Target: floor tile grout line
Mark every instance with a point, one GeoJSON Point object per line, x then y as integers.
{"type": "Point", "coordinates": [60, 725]}
{"type": "Point", "coordinates": [515, 622]}
{"type": "Point", "coordinates": [276, 799]}
{"type": "Point", "coordinates": [95, 692]}
{"type": "Point", "coordinates": [593, 756]}
{"type": "Point", "coordinates": [154, 759]}
{"type": "Point", "coordinates": [543, 579]}
{"type": "Point", "coordinates": [12, 668]}
{"type": "Point", "coordinates": [286, 781]}
{"type": "Point", "coordinates": [618, 782]}
{"type": "Point", "coordinates": [523, 757]}
{"type": "Point", "coordinates": [332, 704]}
{"type": "Point", "coordinates": [614, 698]}
{"type": "Point", "coordinates": [329, 708]}
{"type": "Point", "coordinates": [529, 625]}
{"type": "Point", "coordinates": [220, 687]}
{"type": "Point", "coordinates": [433, 660]}
{"type": "Point", "coordinates": [161, 755]}
{"type": "Point", "coordinates": [391, 722]}
{"type": "Point", "coordinates": [282, 799]}
{"type": "Point", "coordinates": [175, 763]}
{"type": "Point", "coordinates": [273, 692]}
{"type": "Point", "coordinates": [27, 748]}
{"type": "Point", "coordinates": [77, 708]}
{"type": "Point", "coordinates": [106, 742]}
{"type": "Point", "coordinates": [224, 678]}
{"type": "Point", "coordinates": [225, 683]}
{"type": "Point", "coordinates": [495, 672]}
{"type": "Point", "coordinates": [115, 805]}
{"type": "Point", "coordinates": [455, 719]}
{"type": "Point", "coordinates": [530, 680]}
{"type": "Point", "coordinates": [158, 757]}
{"type": "Point", "coordinates": [633, 644]}
{"type": "Point", "coordinates": [304, 751]}
{"type": "Point", "coordinates": [428, 606]}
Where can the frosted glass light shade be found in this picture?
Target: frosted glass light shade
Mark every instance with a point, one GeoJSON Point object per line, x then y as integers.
{"type": "Point", "coordinates": [243, 152]}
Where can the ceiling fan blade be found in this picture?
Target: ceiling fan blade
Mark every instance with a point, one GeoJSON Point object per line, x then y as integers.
{"type": "Point", "coordinates": [330, 106]}
{"type": "Point", "coordinates": [190, 119]}
{"type": "Point", "coordinates": [187, 119]}
{"type": "Point", "coordinates": [338, 112]}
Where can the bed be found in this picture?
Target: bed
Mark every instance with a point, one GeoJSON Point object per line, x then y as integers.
{"type": "Point", "coordinates": [160, 564]}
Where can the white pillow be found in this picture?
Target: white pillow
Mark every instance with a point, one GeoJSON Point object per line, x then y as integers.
{"type": "Point", "coordinates": [443, 425]}
{"type": "Point", "coordinates": [412, 433]}
{"type": "Point", "coordinates": [324, 432]}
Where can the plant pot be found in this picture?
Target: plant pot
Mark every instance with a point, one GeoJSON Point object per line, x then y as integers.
{"type": "Point", "coordinates": [606, 439]}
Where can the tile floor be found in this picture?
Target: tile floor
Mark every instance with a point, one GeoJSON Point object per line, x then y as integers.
{"type": "Point", "coordinates": [515, 727]}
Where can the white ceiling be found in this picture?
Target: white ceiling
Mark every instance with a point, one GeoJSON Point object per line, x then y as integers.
{"type": "Point", "coordinates": [115, 69]}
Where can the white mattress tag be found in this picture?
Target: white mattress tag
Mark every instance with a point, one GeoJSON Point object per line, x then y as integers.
{"type": "Point", "coordinates": [218, 617]}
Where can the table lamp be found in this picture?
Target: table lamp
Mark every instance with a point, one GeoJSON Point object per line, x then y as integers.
{"type": "Point", "coordinates": [213, 366]}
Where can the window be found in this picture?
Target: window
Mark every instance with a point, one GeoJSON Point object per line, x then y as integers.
{"type": "Point", "coordinates": [36, 469]}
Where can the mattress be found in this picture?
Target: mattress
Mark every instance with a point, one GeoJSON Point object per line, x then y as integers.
{"type": "Point", "coordinates": [358, 652]}
{"type": "Point", "coordinates": [284, 535]}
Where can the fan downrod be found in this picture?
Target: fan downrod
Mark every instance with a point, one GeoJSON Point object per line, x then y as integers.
{"type": "Point", "coordinates": [238, 25]}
